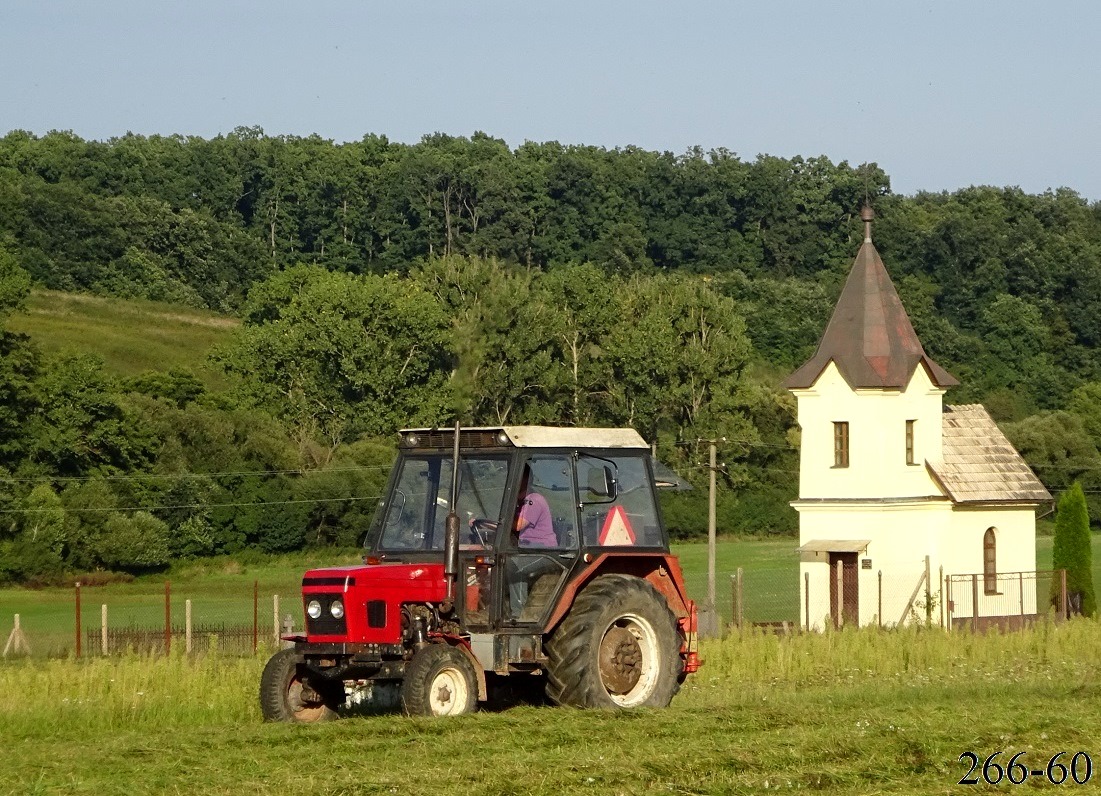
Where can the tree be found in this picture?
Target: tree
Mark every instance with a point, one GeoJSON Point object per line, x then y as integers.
{"type": "Point", "coordinates": [503, 333]}
{"type": "Point", "coordinates": [1059, 448]}
{"type": "Point", "coordinates": [79, 424]}
{"type": "Point", "coordinates": [339, 355]}
{"type": "Point", "coordinates": [1071, 551]}
{"type": "Point", "coordinates": [15, 284]}
{"type": "Point", "coordinates": [580, 297]}
{"type": "Point", "coordinates": [132, 543]}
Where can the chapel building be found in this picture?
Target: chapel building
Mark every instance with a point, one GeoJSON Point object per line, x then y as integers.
{"type": "Point", "coordinates": [897, 490]}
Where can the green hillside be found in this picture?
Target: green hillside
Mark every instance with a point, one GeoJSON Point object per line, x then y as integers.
{"type": "Point", "coordinates": [131, 336]}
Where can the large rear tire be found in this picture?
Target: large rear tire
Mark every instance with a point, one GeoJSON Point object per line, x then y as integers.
{"type": "Point", "coordinates": [439, 681]}
{"type": "Point", "coordinates": [618, 647]}
{"type": "Point", "coordinates": [285, 695]}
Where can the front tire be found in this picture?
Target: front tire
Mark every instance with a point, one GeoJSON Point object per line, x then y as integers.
{"type": "Point", "coordinates": [285, 695]}
{"type": "Point", "coordinates": [618, 647]}
{"type": "Point", "coordinates": [439, 681]}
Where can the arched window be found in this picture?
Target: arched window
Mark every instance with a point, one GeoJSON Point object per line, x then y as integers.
{"type": "Point", "coordinates": [990, 562]}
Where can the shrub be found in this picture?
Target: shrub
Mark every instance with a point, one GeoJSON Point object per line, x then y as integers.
{"type": "Point", "coordinates": [1071, 551]}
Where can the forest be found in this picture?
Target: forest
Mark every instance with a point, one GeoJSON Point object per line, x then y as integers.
{"type": "Point", "coordinates": [381, 285]}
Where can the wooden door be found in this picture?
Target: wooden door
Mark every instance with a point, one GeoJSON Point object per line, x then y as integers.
{"type": "Point", "coordinates": [850, 610]}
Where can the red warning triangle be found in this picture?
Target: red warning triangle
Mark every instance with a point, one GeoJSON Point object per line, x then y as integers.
{"type": "Point", "coordinates": [617, 529]}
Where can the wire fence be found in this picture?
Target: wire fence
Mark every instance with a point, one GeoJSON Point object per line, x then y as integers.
{"type": "Point", "coordinates": [794, 598]}
{"type": "Point", "coordinates": [784, 597]}
{"type": "Point", "coordinates": [83, 623]}
{"type": "Point", "coordinates": [1007, 601]}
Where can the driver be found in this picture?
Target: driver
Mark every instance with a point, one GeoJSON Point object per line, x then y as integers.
{"type": "Point", "coordinates": [534, 525]}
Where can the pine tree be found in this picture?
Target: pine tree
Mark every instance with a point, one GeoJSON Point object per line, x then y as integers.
{"type": "Point", "coordinates": [1071, 551]}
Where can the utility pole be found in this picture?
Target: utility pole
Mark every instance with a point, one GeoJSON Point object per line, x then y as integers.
{"type": "Point", "coordinates": [708, 617]}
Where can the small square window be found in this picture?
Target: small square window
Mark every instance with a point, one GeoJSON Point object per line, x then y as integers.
{"type": "Point", "coordinates": [841, 444]}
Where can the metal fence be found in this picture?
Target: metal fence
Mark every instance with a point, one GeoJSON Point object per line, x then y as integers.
{"type": "Point", "coordinates": [1006, 600]}
{"type": "Point", "coordinates": [790, 599]}
{"type": "Point", "coordinates": [84, 623]}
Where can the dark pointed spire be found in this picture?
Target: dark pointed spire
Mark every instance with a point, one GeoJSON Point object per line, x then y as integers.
{"type": "Point", "coordinates": [870, 337]}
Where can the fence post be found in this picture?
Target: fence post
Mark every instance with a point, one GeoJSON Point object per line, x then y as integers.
{"type": "Point", "coordinates": [881, 599]}
{"type": "Point", "coordinates": [940, 588]}
{"type": "Point", "coordinates": [255, 615]}
{"type": "Point", "coordinates": [928, 593]}
{"type": "Point", "coordinates": [103, 628]}
{"type": "Point", "coordinates": [78, 633]}
{"type": "Point", "coordinates": [187, 626]}
{"type": "Point", "coordinates": [16, 641]}
{"type": "Point", "coordinates": [974, 603]}
{"type": "Point", "coordinates": [806, 597]}
{"type": "Point", "coordinates": [1021, 593]}
{"type": "Point", "coordinates": [740, 618]}
{"type": "Point", "coordinates": [167, 617]}
{"type": "Point", "coordinates": [948, 599]}
{"type": "Point", "coordinates": [275, 617]}
{"type": "Point", "coordinates": [840, 619]}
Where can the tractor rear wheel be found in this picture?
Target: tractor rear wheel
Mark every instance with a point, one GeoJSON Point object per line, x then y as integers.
{"type": "Point", "coordinates": [439, 681]}
{"type": "Point", "coordinates": [618, 647]}
{"type": "Point", "coordinates": [286, 696]}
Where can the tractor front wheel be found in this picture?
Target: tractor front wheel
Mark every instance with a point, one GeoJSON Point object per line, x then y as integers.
{"type": "Point", "coordinates": [285, 695]}
{"type": "Point", "coordinates": [439, 681]}
{"type": "Point", "coordinates": [618, 647]}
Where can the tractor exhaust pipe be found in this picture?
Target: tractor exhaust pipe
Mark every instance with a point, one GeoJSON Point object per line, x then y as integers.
{"type": "Point", "coordinates": [451, 528]}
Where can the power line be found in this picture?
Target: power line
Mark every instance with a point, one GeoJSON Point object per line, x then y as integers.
{"type": "Point", "coordinates": [167, 476]}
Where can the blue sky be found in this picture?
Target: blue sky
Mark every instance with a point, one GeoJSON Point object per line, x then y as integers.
{"type": "Point", "coordinates": [941, 95]}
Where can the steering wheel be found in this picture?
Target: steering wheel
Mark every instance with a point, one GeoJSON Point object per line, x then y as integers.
{"type": "Point", "coordinates": [484, 529]}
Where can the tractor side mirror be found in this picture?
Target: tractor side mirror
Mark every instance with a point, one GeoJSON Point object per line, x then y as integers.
{"type": "Point", "coordinates": [602, 483]}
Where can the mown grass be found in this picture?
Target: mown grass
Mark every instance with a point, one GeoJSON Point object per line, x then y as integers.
{"type": "Point", "coordinates": [132, 337]}
{"type": "Point", "coordinates": [850, 712]}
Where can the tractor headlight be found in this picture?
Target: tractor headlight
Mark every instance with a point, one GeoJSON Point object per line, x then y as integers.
{"type": "Point", "coordinates": [337, 609]}
{"type": "Point", "coordinates": [313, 609]}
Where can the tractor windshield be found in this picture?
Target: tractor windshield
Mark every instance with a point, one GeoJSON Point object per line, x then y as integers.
{"type": "Point", "coordinates": [417, 507]}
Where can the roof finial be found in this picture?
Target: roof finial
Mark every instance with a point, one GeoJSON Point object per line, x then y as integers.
{"type": "Point", "coordinates": [866, 215]}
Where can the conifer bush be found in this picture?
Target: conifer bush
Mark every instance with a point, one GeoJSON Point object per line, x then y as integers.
{"type": "Point", "coordinates": [1071, 551]}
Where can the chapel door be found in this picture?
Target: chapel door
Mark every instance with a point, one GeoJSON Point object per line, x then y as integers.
{"type": "Point", "coordinates": [848, 612]}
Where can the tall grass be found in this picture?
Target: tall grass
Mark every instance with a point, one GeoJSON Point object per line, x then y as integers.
{"type": "Point", "coordinates": [911, 656]}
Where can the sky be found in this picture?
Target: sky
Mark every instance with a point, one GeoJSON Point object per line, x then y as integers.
{"type": "Point", "coordinates": [942, 95]}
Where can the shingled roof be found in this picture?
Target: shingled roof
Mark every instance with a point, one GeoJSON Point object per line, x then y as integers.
{"type": "Point", "coordinates": [980, 465]}
{"type": "Point", "coordinates": [869, 337]}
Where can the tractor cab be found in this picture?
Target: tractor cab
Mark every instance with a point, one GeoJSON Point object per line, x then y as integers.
{"type": "Point", "coordinates": [531, 507]}
{"type": "Point", "coordinates": [499, 552]}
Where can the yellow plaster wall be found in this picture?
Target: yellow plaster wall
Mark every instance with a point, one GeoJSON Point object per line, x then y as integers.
{"type": "Point", "coordinates": [877, 438]}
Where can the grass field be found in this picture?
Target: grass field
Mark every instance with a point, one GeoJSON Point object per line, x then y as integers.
{"type": "Point", "coordinates": [860, 711]}
{"type": "Point", "coordinates": [852, 712]}
{"type": "Point", "coordinates": [131, 337]}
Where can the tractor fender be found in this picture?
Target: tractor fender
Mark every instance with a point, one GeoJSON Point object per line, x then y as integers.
{"type": "Point", "coordinates": [661, 570]}
{"type": "Point", "coordinates": [464, 645]}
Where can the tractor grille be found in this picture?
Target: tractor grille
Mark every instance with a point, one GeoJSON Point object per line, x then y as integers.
{"type": "Point", "coordinates": [326, 624]}
{"type": "Point", "coordinates": [376, 613]}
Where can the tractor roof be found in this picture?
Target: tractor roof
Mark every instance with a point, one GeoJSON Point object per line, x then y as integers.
{"type": "Point", "coordinates": [531, 436]}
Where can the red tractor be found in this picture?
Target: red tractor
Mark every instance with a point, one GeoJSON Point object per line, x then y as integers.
{"type": "Point", "coordinates": [499, 553]}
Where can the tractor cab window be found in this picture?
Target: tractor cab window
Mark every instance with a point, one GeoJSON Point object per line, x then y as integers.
{"type": "Point", "coordinates": [547, 504]}
{"type": "Point", "coordinates": [543, 541]}
{"type": "Point", "coordinates": [617, 502]}
{"type": "Point", "coordinates": [418, 505]}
